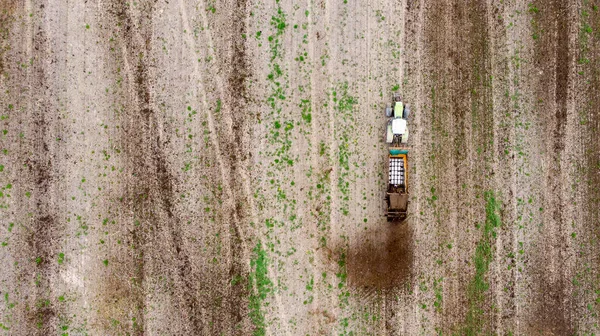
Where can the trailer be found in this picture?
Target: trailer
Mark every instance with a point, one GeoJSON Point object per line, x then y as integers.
{"type": "Point", "coordinates": [397, 190]}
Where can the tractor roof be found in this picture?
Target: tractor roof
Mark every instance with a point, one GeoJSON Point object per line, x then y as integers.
{"type": "Point", "coordinates": [398, 126]}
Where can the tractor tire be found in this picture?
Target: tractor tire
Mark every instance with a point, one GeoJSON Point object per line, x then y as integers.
{"type": "Point", "coordinates": [388, 111]}
{"type": "Point", "coordinates": [406, 111]}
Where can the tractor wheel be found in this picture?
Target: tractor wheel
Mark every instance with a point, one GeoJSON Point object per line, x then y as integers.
{"type": "Point", "coordinates": [388, 111]}
{"type": "Point", "coordinates": [406, 111]}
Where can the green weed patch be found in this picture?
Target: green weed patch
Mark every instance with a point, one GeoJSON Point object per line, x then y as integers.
{"type": "Point", "coordinates": [259, 286]}
{"type": "Point", "coordinates": [477, 288]}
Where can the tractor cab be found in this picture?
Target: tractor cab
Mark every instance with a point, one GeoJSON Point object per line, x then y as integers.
{"type": "Point", "coordinates": [397, 130]}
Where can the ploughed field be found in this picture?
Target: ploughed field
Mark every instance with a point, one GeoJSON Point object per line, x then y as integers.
{"type": "Point", "coordinates": [218, 167]}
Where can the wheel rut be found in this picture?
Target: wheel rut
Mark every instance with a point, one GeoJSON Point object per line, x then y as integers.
{"type": "Point", "coordinates": [151, 187]}
{"type": "Point", "coordinates": [552, 58]}
{"type": "Point", "coordinates": [42, 239]}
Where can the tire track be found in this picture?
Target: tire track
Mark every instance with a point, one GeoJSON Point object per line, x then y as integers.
{"type": "Point", "coordinates": [586, 162]}
{"type": "Point", "coordinates": [505, 182]}
{"type": "Point", "coordinates": [324, 158]}
{"type": "Point", "coordinates": [150, 190]}
{"type": "Point", "coordinates": [135, 139]}
{"type": "Point", "coordinates": [314, 33]}
{"type": "Point", "coordinates": [282, 9]}
{"type": "Point", "coordinates": [42, 237]}
{"type": "Point", "coordinates": [235, 130]}
{"type": "Point", "coordinates": [520, 107]}
{"type": "Point", "coordinates": [314, 159]}
{"type": "Point", "coordinates": [415, 37]}
{"type": "Point", "coordinates": [460, 126]}
{"type": "Point", "coordinates": [236, 99]}
{"type": "Point", "coordinates": [552, 57]}
{"type": "Point", "coordinates": [481, 174]}
{"type": "Point", "coordinates": [232, 126]}
{"type": "Point", "coordinates": [465, 67]}
{"type": "Point", "coordinates": [380, 259]}
{"type": "Point", "coordinates": [436, 157]}
{"type": "Point", "coordinates": [7, 13]}
{"type": "Point", "coordinates": [333, 222]}
{"type": "Point", "coordinates": [490, 126]}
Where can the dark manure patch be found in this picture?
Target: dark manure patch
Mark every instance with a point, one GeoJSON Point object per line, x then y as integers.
{"type": "Point", "coordinates": [382, 258]}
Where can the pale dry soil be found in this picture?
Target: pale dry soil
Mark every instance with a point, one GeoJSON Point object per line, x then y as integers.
{"type": "Point", "coordinates": [217, 167]}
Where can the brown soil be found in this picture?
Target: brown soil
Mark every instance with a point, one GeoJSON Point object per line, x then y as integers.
{"type": "Point", "coordinates": [218, 167]}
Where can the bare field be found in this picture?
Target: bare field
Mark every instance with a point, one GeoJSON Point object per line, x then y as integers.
{"type": "Point", "coordinates": [218, 167]}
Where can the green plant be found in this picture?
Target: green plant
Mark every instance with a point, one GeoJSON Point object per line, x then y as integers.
{"type": "Point", "coordinates": [477, 288]}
